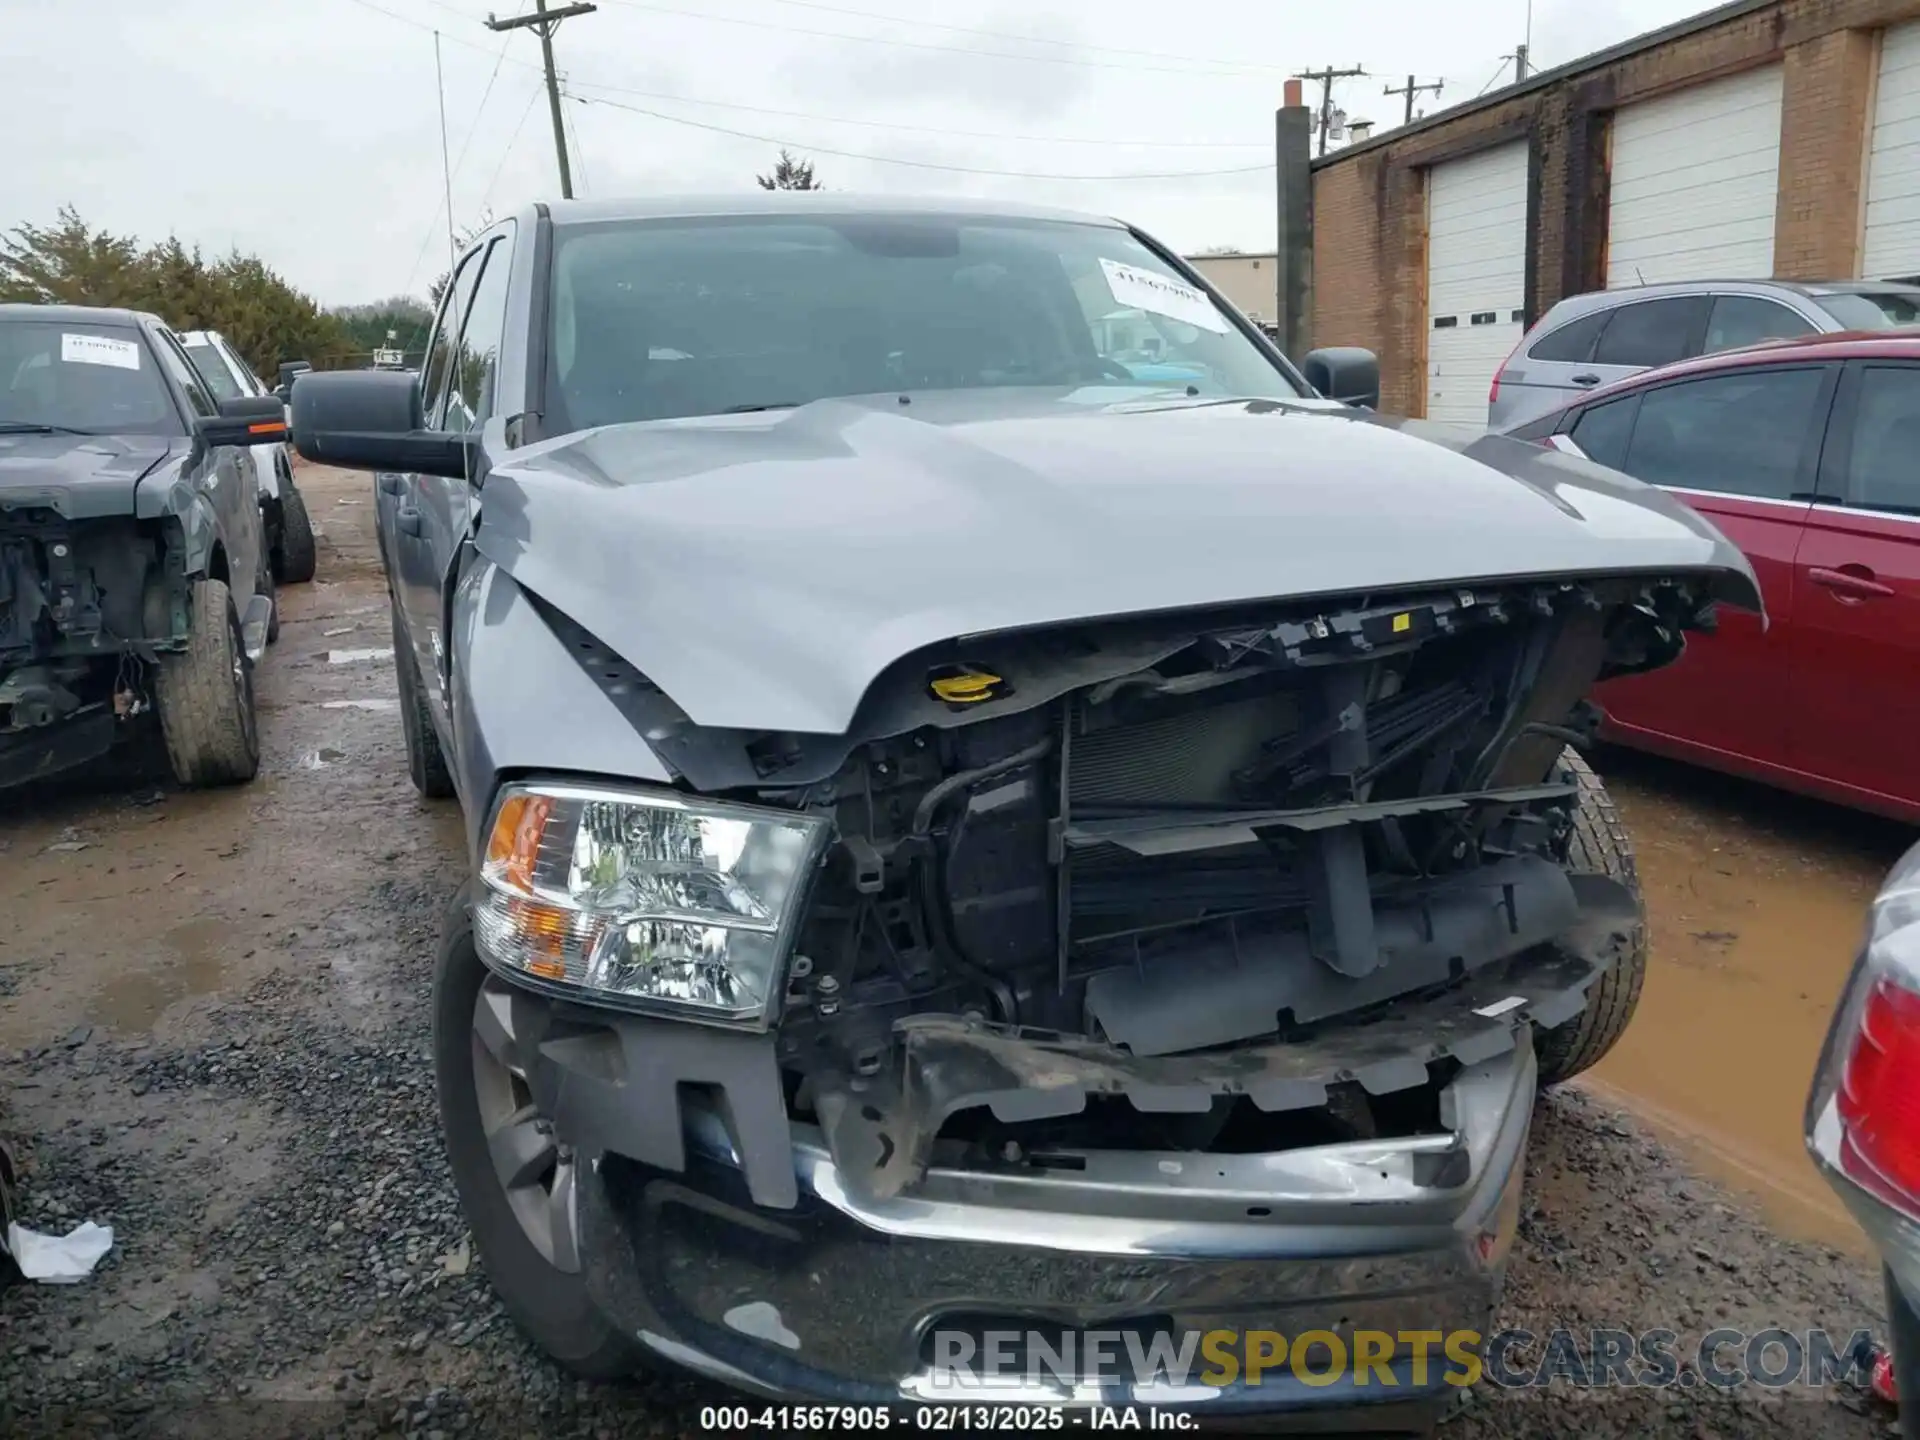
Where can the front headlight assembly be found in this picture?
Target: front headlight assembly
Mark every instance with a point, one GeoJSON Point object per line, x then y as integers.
{"type": "Point", "coordinates": [645, 900]}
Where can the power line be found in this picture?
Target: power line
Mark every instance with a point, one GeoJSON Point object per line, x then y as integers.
{"type": "Point", "coordinates": [915, 164]}
{"type": "Point", "coordinates": [480, 109]}
{"type": "Point", "coordinates": [506, 154]}
{"type": "Point", "coordinates": [923, 45]}
{"type": "Point", "coordinates": [574, 87]}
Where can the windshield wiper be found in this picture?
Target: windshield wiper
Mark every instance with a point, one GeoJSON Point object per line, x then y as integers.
{"type": "Point", "coordinates": [754, 409]}
{"type": "Point", "coordinates": [34, 427]}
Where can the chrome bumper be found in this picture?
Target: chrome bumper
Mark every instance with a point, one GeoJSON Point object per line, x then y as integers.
{"type": "Point", "coordinates": [839, 1298]}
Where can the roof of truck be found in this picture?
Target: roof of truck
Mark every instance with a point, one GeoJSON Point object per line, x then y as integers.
{"type": "Point", "coordinates": [78, 314]}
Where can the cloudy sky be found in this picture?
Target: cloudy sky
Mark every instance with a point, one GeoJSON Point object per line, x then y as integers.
{"type": "Point", "coordinates": [308, 131]}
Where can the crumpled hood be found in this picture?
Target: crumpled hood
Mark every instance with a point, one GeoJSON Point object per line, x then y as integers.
{"type": "Point", "coordinates": [763, 569]}
{"type": "Point", "coordinates": [80, 476]}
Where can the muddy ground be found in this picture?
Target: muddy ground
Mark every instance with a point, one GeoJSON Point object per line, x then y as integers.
{"type": "Point", "coordinates": [213, 1037]}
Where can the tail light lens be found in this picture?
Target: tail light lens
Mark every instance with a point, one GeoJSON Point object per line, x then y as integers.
{"type": "Point", "coordinates": [1863, 1117]}
{"type": "Point", "coordinates": [1878, 1099]}
{"type": "Point", "coordinates": [1493, 390]}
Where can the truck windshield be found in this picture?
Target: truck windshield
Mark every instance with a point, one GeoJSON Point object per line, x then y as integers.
{"type": "Point", "coordinates": [657, 319]}
{"type": "Point", "coordinates": [86, 379]}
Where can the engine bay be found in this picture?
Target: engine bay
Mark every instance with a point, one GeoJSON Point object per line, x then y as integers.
{"type": "Point", "coordinates": [1272, 832]}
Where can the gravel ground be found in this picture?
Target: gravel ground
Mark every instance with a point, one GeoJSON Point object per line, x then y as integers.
{"type": "Point", "coordinates": [213, 1037]}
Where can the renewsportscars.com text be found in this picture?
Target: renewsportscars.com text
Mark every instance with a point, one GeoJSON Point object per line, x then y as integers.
{"type": "Point", "coordinates": [1514, 1359]}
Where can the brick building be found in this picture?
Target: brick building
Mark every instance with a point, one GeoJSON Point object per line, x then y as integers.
{"type": "Point", "coordinates": [1765, 137]}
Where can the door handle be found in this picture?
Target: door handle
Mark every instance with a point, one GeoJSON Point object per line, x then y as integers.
{"type": "Point", "coordinates": [408, 519]}
{"type": "Point", "coordinates": [1849, 583]}
{"type": "Point", "coordinates": [1586, 379]}
{"type": "Point", "coordinates": [392, 484]}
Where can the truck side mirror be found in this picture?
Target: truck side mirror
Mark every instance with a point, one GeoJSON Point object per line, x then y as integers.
{"type": "Point", "coordinates": [1346, 373]}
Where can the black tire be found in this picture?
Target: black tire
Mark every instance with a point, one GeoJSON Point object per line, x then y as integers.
{"type": "Point", "coordinates": [426, 761]}
{"type": "Point", "coordinates": [293, 552]}
{"type": "Point", "coordinates": [549, 1304]}
{"type": "Point", "coordinates": [204, 696]}
{"type": "Point", "coordinates": [1600, 846]}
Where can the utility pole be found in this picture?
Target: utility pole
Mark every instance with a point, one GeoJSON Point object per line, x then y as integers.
{"type": "Point", "coordinates": [1520, 65]}
{"type": "Point", "coordinates": [546, 22]}
{"type": "Point", "coordinates": [1326, 77]}
{"type": "Point", "coordinates": [1410, 89]}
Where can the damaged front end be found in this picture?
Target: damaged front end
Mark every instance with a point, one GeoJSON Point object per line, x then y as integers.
{"type": "Point", "coordinates": [1176, 974]}
{"type": "Point", "coordinates": [85, 606]}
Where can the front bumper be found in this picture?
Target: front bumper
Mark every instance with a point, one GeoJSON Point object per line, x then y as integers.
{"type": "Point", "coordinates": [845, 1298]}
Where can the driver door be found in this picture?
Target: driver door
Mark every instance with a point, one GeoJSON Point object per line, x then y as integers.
{"type": "Point", "coordinates": [397, 496]}
{"type": "Point", "coordinates": [432, 518]}
{"type": "Point", "coordinates": [225, 475]}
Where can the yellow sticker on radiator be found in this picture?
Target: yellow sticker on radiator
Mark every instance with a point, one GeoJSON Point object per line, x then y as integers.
{"type": "Point", "coordinates": [1402, 621]}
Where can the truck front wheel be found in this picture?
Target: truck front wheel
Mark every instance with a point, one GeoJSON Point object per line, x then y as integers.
{"type": "Point", "coordinates": [293, 550]}
{"type": "Point", "coordinates": [204, 696]}
{"type": "Point", "coordinates": [1599, 846]}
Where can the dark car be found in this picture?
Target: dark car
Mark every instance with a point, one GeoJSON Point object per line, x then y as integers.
{"type": "Point", "coordinates": [134, 577]}
{"type": "Point", "coordinates": [1804, 453]}
{"type": "Point", "coordinates": [969, 839]}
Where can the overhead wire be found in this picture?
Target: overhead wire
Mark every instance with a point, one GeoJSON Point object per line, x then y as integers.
{"type": "Point", "coordinates": [813, 149]}
{"type": "Point", "coordinates": [533, 97]}
{"type": "Point", "coordinates": [595, 85]}
{"type": "Point", "coordinates": [584, 85]}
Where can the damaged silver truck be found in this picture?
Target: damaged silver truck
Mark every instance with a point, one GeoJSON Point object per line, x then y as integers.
{"type": "Point", "coordinates": [134, 575]}
{"type": "Point", "coordinates": [971, 840]}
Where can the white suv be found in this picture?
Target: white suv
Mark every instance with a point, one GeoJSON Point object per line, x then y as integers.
{"type": "Point", "coordinates": [289, 531]}
{"type": "Point", "coordinates": [1591, 340]}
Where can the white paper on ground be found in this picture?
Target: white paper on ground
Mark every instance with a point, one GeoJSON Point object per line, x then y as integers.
{"type": "Point", "coordinates": [99, 350]}
{"type": "Point", "coordinates": [59, 1259]}
{"type": "Point", "coordinates": [1139, 289]}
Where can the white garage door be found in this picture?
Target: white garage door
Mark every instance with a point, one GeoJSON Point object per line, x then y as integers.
{"type": "Point", "coordinates": [1695, 177]}
{"type": "Point", "coordinates": [1892, 241]}
{"type": "Point", "coordinates": [1476, 277]}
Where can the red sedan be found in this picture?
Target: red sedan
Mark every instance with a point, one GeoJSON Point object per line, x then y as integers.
{"type": "Point", "coordinates": [1806, 453]}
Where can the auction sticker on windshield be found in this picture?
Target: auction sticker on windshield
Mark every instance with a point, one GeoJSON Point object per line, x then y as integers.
{"type": "Point", "coordinates": [1139, 289]}
{"type": "Point", "coordinates": [99, 350]}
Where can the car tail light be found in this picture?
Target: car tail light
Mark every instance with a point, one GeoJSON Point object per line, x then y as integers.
{"type": "Point", "coordinates": [1493, 390]}
{"type": "Point", "coordinates": [1863, 1117]}
{"type": "Point", "coordinates": [1878, 1099]}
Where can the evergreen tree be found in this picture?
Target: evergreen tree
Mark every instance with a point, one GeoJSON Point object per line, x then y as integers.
{"type": "Point", "coordinates": [264, 317]}
{"type": "Point", "coordinates": [790, 174]}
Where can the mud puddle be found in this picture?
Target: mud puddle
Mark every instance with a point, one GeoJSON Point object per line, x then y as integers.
{"type": "Point", "coordinates": [1756, 901]}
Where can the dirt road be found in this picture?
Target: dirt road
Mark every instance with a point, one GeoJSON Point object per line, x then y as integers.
{"type": "Point", "coordinates": [213, 1037]}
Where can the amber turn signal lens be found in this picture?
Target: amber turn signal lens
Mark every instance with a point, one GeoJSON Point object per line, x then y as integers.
{"type": "Point", "coordinates": [515, 841]}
